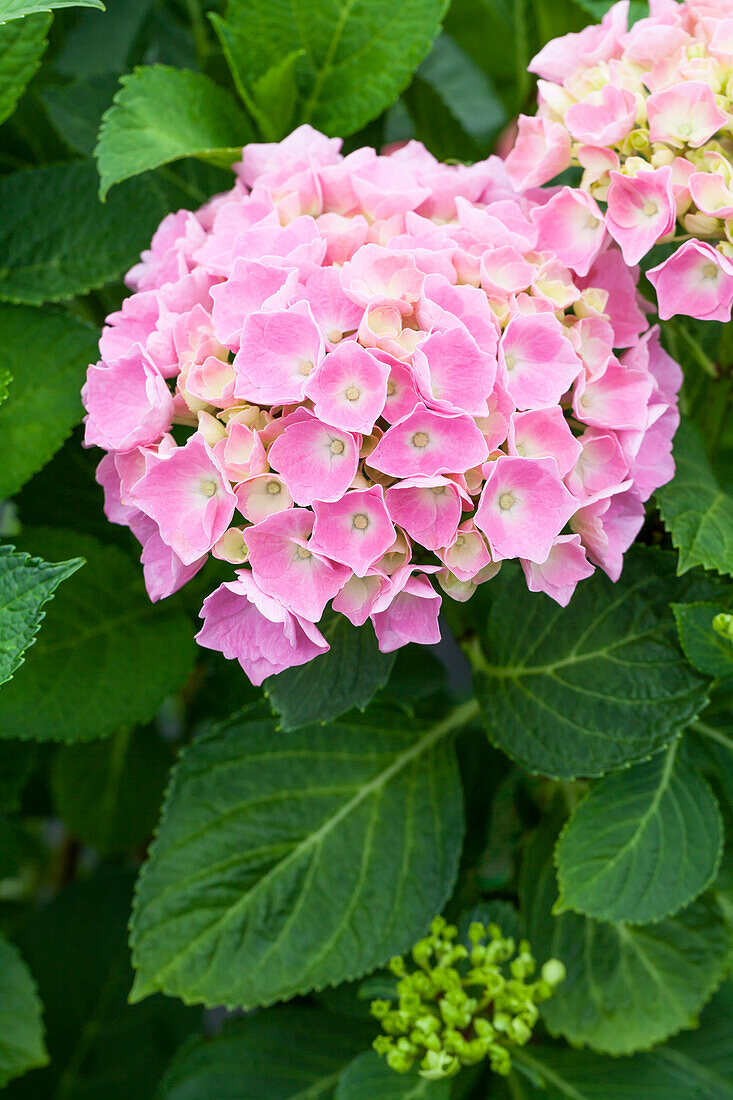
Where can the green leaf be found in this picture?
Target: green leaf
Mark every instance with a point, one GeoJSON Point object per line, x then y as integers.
{"type": "Point", "coordinates": [17, 761]}
{"type": "Point", "coordinates": [162, 114]}
{"type": "Point", "coordinates": [598, 8]}
{"type": "Point", "coordinates": [106, 658]}
{"type": "Point", "coordinates": [79, 244]}
{"type": "Point", "coordinates": [21, 1030]}
{"type": "Point", "coordinates": [14, 9]}
{"type": "Point", "coordinates": [358, 54]}
{"type": "Point", "coordinates": [100, 1047]}
{"type": "Point", "coordinates": [627, 987]}
{"type": "Point", "coordinates": [44, 402]}
{"type": "Point", "coordinates": [108, 793]}
{"type": "Point", "coordinates": [97, 44]}
{"type": "Point", "coordinates": [26, 584]}
{"type": "Point", "coordinates": [453, 103]}
{"type": "Point", "coordinates": [21, 48]}
{"type": "Point", "coordinates": [697, 513]}
{"type": "Point", "coordinates": [283, 1053]}
{"type": "Point", "coordinates": [369, 1076]}
{"type": "Point", "coordinates": [5, 379]}
{"type": "Point", "coordinates": [288, 861]}
{"type": "Point", "coordinates": [495, 33]}
{"type": "Point", "coordinates": [643, 844]}
{"type": "Point", "coordinates": [345, 677]}
{"type": "Point", "coordinates": [707, 650]}
{"type": "Point", "coordinates": [697, 1065]}
{"type": "Point", "coordinates": [270, 96]}
{"type": "Point", "coordinates": [76, 110]}
{"type": "Point", "coordinates": [594, 686]}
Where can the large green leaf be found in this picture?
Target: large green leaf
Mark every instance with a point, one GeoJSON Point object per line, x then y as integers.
{"type": "Point", "coordinates": [627, 987]}
{"type": "Point", "coordinates": [14, 9]}
{"type": "Point", "coordinates": [585, 689]}
{"type": "Point", "coordinates": [162, 114]}
{"type": "Point", "coordinates": [453, 103]}
{"type": "Point", "coordinates": [97, 44]}
{"type": "Point", "coordinates": [369, 1076]}
{"type": "Point", "coordinates": [79, 244]}
{"type": "Point", "coordinates": [76, 110]}
{"type": "Point", "coordinates": [697, 1065]}
{"type": "Point", "coordinates": [287, 861]}
{"type": "Point", "coordinates": [345, 677]}
{"type": "Point", "coordinates": [21, 49]}
{"type": "Point", "coordinates": [26, 584]}
{"type": "Point", "coordinates": [358, 54]}
{"type": "Point", "coordinates": [43, 403]}
{"type": "Point", "coordinates": [284, 1053]}
{"type": "Point", "coordinates": [108, 793]}
{"type": "Point", "coordinates": [707, 650]}
{"type": "Point", "coordinates": [106, 658]}
{"type": "Point", "coordinates": [21, 1030]}
{"type": "Point", "coordinates": [643, 844]}
{"type": "Point", "coordinates": [100, 1047]}
{"type": "Point", "coordinates": [697, 513]}
{"type": "Point", "coordinates": [496, 34]}
{"type": "Point", "coordinates": [17, 761]}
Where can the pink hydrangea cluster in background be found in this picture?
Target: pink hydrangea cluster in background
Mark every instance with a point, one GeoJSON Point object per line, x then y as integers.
{"type": "Point", "coordinates": [646, 112]}
{"type": "Point", "coordinates": [352, 377]}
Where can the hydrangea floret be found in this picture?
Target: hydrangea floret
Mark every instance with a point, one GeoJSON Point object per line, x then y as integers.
{"type": "Point", "coordinates": [462, 1005]}
{"type": "Point", "coordinates": [354, 377]}
{"type": "Point", "coordinates": [646, 112]}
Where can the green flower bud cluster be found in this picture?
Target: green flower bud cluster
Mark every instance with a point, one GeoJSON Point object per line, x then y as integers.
{"type": "Point", "coordinates": [462, 1005]}
{"type": "Point", "coordinates": [723, 625]}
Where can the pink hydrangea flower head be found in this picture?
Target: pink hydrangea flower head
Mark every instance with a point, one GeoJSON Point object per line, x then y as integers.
{"type": "Point", "coordinates": [539, 360]}
{"type": "Point", "coordinates": [641, 210]}
{"type": "Point", "coordinates": [524, 506]}
{"type": "Point", "coordinates": [602, 118]}
{"type": "Point", "coordinates": [261, 496]}
{"type": "Point", "coordinates": [428, 508]}
{"type": "Point", "coordinates": [541, 151]}
{"type": "Point", "coordinates": [286, 568]}
{"type": "Point", "coordinates": [696, 281]}
{"type": "Point", "coordinates": [646, 113]}
{"type": "Point", "coordinates": [571, 226]}
{"type": "Point", "coordinates": [406, 610]}
{"type": "Point", "coordinates": [349, 388]}
{"type": "Point", "coordinates": [685, 114]}
{"type": "Point", "coordinates": [189, 497]}
{"type": "Point", "coordinates": [468, 553]}
{"type": "Point", "coordinates": [277, 352]}
{"type": "Point", "coordinates": [429, 442]}
{"type": "Point", "coordinates": [244, 624]}
{"type": "Point", "coordinates": [355, 530]}
{"type": "Point", "coordinates": [316, 461]}
{"type": "Point", "coordinates": [128, 403]}
{"type": "Point", "coordinates": [360, 380]}
{"type": "Point", "coordinates": [558, 575]}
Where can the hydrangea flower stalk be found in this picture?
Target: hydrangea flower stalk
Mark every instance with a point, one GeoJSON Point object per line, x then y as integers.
{"type": "Point", "coordinates": [354, 378]}
{"type": "Point", "coordinates": [646, 112]}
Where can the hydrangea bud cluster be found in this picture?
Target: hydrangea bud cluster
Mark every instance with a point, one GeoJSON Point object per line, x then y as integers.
{"type": "Point", "coordinates": [646, 113]}
{"type": "Point", "coordinates": [723, 625]}
{"type": "Point", "coordinates": [348, 377]}
{"type": "Point", "coordinates": [460, 1006]}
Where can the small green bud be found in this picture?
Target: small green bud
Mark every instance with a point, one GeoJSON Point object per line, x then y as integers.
{"type": "Point", "coordinates": [553, 972]}
{"type": "Point", "coordinates": [436, 1066]}
{"type": "Point", "coordinates": [723, 625]}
